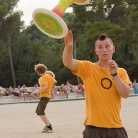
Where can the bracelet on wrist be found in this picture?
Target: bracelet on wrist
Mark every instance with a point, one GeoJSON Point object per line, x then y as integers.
{"type": "Point", "coordinates": [113, 74]}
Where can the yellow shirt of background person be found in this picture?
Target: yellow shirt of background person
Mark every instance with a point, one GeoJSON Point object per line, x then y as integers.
{"type": "Point", "coordinates": [49, 80]}
{"type": "Point", "coordinates": [103, 102]}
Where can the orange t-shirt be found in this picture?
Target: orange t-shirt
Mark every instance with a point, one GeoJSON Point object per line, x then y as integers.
{"type": "Point", "coordinates": [49, 80]}
{"type": "Point", "coordinates": [102, 105]}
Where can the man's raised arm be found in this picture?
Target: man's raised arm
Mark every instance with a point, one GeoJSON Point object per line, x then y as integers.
{"type": "Point", "coordinates": [67, 56]}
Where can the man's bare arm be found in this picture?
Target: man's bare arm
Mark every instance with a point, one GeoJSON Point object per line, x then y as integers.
{"type": "Point", "coordinates": [68, 52]}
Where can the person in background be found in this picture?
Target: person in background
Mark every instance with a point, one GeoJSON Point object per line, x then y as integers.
{"type": "Point", "coordinates": [46, 84]}
{"type": "Point", "coordinates": [54, 90]}
{"type": "Point", "coordinates": [80, 89]}
{"type": "Point", "coordinates": [25, 92]}
{"type": "Point", "coordinates": [35, 88]}
{"type": "Point", "coordinates": [8, 91]}
{"type": "Point", "coordinates": [2, 91]}
{"type": "Point", "coordinates": [70, 85]}
{"type": "Point", "coordinates": [61, 91]}
{"type": "Point", "coordinates": [16, 92]}
{"type": "Point", "coordinates": [135, 86]}
{"type": "Point", "coordinates": [67, 89]}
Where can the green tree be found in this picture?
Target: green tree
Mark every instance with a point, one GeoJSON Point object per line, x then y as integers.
{"type": "Point", "coordinates": [10, 26]}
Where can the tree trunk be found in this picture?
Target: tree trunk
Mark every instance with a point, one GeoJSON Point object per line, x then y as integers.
{"type": "Point", "coordinates": [11, 63]}
{"type": "Point", "coordinates": [126, 53]}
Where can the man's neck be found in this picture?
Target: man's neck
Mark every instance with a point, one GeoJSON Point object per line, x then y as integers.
{"type": "Point", "coordinates": [103, 64]}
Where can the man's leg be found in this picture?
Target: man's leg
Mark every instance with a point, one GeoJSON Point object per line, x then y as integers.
{"type": "Point", "coordinates": [118, 133]}
{"type": "Point", "coordinates": [48, 128]}
{"type": "Point", "coordinates": [40, 111]}
{"type": "Point", "coordinates": [44, 119]}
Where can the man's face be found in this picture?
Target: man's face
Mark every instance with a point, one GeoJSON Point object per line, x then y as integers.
{"type": "Point", "coordinates": [104, 49]}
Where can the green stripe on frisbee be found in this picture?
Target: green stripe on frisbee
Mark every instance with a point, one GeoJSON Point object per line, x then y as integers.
{"type": "Point", "coordinates": [48, 24]}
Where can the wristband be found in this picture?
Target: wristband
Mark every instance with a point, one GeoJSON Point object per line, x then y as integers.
{"type": "Point", "coordinates": [113, 74]}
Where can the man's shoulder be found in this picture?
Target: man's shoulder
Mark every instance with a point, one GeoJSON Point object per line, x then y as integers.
{"type": "Point", "coordinates": [48, 77]}
{"type": "Point", "coordinates": [122, 72]}
{"type": "Point", "coordinates": [86, 62]}
{"type": "Point", "coordinates": [121, 69]}
{"type": "Point", "coordinates": [45, 77]}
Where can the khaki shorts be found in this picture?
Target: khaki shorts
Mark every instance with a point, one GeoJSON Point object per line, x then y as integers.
{"type": "Point", "coordinates": [96, 132]}
{"type": "Point", "coordinates": [42, 105]}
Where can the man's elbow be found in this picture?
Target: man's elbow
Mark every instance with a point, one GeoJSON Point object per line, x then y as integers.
{"type": "Point", "coordinates": [126, 94]}
{"type": "Point", "coordinates": [67, 64]}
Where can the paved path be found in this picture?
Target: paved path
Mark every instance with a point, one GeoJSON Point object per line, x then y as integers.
{"type": "Point", "coordinates": [20, 121]}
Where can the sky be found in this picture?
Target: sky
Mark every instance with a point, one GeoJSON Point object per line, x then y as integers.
{"type": "Point", "coordinates": [28, 6]}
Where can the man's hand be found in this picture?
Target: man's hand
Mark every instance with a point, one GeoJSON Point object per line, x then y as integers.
{"type": "Point", "coordinates": [68, 39]}
{"type": "Point", "coordinates": [113, 66]}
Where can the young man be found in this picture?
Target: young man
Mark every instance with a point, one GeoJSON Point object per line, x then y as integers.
{"type": "Point", "coordinates": [105, 84]}
{"type": "Point", "coordinates": [46, 85]}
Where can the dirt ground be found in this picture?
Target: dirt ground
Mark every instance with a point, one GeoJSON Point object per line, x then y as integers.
{"type": "Point", "coordinates": [20, 120]}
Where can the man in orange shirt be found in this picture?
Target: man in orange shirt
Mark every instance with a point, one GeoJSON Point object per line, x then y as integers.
{"type": "Point", "coordinates": [46, 84]}
{"type": "Point", "coordinates": [105, 85]}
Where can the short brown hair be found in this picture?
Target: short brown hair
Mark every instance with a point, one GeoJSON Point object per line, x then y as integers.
{"type": "Point", "coordinates": [40, 68]}
{"type": "Point", "coordinates": [103, 37]}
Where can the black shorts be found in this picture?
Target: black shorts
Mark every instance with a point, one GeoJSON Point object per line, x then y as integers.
{"type": "Point", "coordinates": [96, 132]}
{"type": "Point", "coordinates": [42, 105]}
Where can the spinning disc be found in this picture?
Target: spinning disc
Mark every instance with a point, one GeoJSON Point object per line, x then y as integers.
{"type": "Point", "coordinates": [50, 72]}
{"type": "Point", "coordinates": [50, 23]}
{"type": "Point", "coordinates": [47, 72]}
{"type": "Point", "coordinates": [39, 80]}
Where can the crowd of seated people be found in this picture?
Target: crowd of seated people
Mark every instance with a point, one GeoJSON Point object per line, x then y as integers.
{"type": "Point", "coordinates": [63, 90]}
{"type": "Point", "coordinates": [20, 91]}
